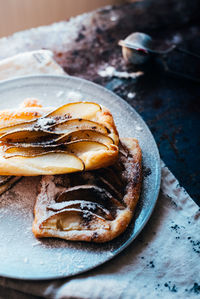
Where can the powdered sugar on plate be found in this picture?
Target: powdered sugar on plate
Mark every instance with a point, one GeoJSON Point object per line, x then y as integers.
{"type": "Point", "coordinates": [19, 244]}
{"type": "Point", "coordinates": [54, 258]}
{"type": "Point", "coordinates": [20, 199]}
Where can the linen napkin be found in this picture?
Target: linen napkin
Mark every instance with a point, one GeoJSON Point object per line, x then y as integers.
{"type": "Point", "coordinates": [163, 261]}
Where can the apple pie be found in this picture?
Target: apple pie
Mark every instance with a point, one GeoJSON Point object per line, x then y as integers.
{"type": "Point", "coordinates": [36, 140]}
{"type": "Point", "coordinates": [93, 206]}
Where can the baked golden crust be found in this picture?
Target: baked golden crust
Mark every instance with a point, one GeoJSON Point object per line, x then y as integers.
{"type": "Point", "coordinates": [95, 206]}
{"type": "Point", "coordinates": [105, 117]}
{"type": "Point", "coordinates": [98, 155]}
{"type": "Point", "coordinates": [28, 110]}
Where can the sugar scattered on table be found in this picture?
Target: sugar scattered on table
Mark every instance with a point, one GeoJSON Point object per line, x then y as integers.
{"type": "Point", "coordinates": [131, 95]}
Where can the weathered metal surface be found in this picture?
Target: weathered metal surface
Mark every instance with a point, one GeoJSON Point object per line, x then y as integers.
{"type": "Point", "coordinates": [88, 43]}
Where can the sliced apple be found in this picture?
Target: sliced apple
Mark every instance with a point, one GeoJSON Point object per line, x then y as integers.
{"type": "Point", "coordinates": [44, 164]}
{"type": "Point", "coordinates": [75, 147]}
{"type": "Point", "coordinates": [82, 205]}
{"type": "Point", "coordinates": [64, 220]}
{"type": "Point", "coordinates": [109, 186]}
{"type": "Point", "coordinates": [76, 110]}
{"type": "Point", "coordinates": [92, 193]}
{"type": "Point", "coordinates": [74, 219]}
{"type": "Point", "coordinates": [16, 127]}
{"type": "Point", "coordinates": [85, 135]}
{"type": "Point", "coordinates": [39, 124]}
{"type": "Point", "coordinates": [28, 136]}
{"type": "Point", "coordinates": [70, 110]}
{"type": "Point", "coordinates": [29, 151]}
{"type": "Point", "coordinates": [78, 124]}
{"type": "Point", "coordinates": [80, 147]}
{"type": "Point", "coordinates": [112, 175]}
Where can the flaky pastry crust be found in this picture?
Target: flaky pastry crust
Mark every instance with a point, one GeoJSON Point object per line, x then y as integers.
{"type": "Point", "coordinates": [92, 159]}
{"type": "Point", "coordinates": [122, 181]}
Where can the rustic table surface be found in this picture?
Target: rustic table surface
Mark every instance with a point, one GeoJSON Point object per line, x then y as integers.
{"type": "Point", "coordinates": [88, 44]}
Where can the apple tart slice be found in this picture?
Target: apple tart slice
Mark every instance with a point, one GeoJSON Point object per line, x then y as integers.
{"type": "Point", "coordinates": [74, 137]}
{"type": "Point", "coordinates": [93, 206]}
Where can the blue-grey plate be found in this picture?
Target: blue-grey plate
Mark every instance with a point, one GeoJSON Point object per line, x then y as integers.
{"type": "Point", "coordinates": [21, 255]}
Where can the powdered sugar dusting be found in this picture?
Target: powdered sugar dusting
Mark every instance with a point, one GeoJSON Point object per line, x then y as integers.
{"type": "Point", "coordinates": [19, 199]}
{"type": "Point", "coordinates": [38, 257]}
{"type": "Point", "coordinates": [44, 123]}
{"type": "Point", "coordinates": [60, 257]}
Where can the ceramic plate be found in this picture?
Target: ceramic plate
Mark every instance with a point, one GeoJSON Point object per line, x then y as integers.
{"type": "Point", "coordinates": [22, 256]}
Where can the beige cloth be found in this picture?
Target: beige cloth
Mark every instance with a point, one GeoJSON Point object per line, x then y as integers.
{"type": "Point", "coordinates": [29, 63]}
{"type": "Point", "coordinates": [163, 262]}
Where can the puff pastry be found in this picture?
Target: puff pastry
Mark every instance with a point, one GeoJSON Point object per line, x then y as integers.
{"type": "Point", "coordinates": [9, 117]}
{"type": "Point", "coordinates": [35, 140]}
{"type": "Point", "coordinates": [93, 206]}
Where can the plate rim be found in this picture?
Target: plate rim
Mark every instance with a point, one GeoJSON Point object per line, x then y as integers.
{"type": "Point", "coordinates": [158, 170]}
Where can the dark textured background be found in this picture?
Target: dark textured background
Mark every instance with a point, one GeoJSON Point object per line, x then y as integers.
{"type": "Point", "coordinates": [169, 105]}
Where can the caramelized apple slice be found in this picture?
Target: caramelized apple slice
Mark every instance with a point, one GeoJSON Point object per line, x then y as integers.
{"type": "Point", "coordinates": [28, 136]}
{"type": "Point", "coordinates": [82, 205]}
{"type": "Point", "coordinates": [80, 147]}
{"type": "Point", "coordinates": [109, 186]}
{"type": "Point", "coordinates": [78, 124]}
{"type": "Point", "coordinates": [70, 110]}
{"type": "Point", "coordinates": [76, 110]}
{"type": "Point", "coordinates": [29, 151]}
{"type": "Point", "coordinates": [74, 219]}
{"type": "Point", "coordinates": [85, 135]}
{"type": "Point", "coordinates": [45, 163]}
{"type": "Point", "coordinates": [40, 124]}
{"type": "Point", "coordinates": [91, 193]}
{"type": "Point", "coordinates": [16, 127]}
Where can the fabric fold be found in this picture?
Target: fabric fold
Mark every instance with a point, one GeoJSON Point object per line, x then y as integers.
{"type": "Point", "coordinates": [163, 261]}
